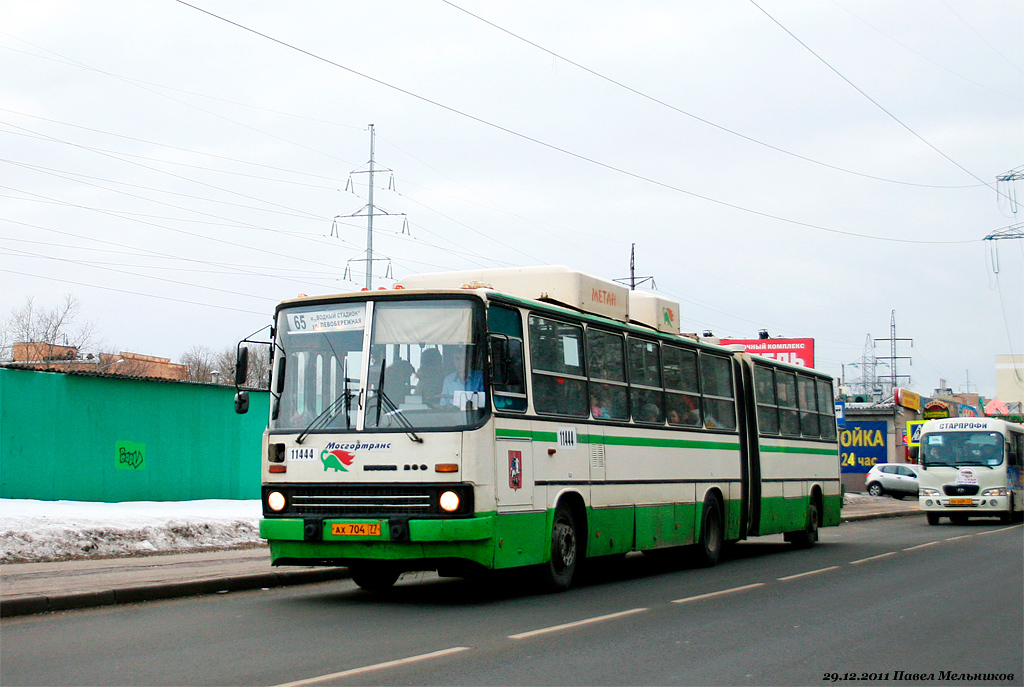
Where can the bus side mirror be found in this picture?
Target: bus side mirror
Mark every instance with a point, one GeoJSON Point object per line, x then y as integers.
{"type": "Point", "coordinates": [279, 376]}
{"type": "Point", "coordinates": [242, 402]}
{"type": "Point", "coordinates": [506, 362]}
{"type": "Point", "coordinates": [242, 366]}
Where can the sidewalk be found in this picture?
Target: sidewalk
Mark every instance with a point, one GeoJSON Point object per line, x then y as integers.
{"type": "Point", "coordinates": [27, 588]}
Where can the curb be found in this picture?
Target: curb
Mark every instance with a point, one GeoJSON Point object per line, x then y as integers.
{"type": "Point", "coordinates": [29, 605]}
{"type": "Point", "coordinates": [878, 516]}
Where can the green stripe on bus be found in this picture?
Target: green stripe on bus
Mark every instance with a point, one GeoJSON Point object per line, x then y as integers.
{"type": "Point", "coordinates": [800, 449]}
{"type": "Point", "coordinates": [619, 440]}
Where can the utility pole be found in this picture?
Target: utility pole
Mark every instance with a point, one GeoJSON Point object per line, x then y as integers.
{"type": "Point", "coordinates": [633, 280]}
{"type": "Point", "coordinates": [369, 211]}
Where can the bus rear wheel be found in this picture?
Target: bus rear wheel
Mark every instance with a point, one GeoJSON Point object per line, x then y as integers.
{"type": "Point", "coordinates": [712, 533]}
{"type": "Point", "coordinates": [557, 573]}
{"type": "Point", "coordinates": [373, 577]}
{"type": "Point", "coordinates": [807, 537]}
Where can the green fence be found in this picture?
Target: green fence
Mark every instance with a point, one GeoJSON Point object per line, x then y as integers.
{"type": "Point", "coordinates": [85, 438]}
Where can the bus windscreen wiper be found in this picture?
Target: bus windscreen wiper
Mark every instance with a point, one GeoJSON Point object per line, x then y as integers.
{"type": "Point", "coordinates": [394, 410]}
{"type": "Point", "coordinates": [328, 413]}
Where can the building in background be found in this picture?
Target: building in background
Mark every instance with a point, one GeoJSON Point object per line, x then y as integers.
{"type": "Point", "coordinates": [34, 355]}
{"type": "Point", "coordinates": [1010, 382]}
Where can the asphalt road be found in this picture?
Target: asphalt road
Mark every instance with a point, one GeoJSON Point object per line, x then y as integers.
{"type": "Point", "coordinates": [885, 599]}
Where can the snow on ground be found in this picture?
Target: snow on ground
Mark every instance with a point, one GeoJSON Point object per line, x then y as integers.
{"type": "Point", "coordinates": [56, 530]}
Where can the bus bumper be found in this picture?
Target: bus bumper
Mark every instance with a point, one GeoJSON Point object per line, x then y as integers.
{"type": "Point", "coordinates": [978, 506]}
{"type": "Point", "coordinates": [294, 541]}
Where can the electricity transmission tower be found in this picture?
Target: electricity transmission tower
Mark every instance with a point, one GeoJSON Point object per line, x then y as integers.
{"type": "Point", "coordinates": [632, 280]}
{"type": "Point", "coordinates": [867, 385]}
{"type": "Point", "coordinates": [369, 211]}
{"type": "Point", "coordinates": [894, 378]}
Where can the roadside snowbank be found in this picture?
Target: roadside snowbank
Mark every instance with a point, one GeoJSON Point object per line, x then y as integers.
{"type": "Point", "coordinates": [55, 530]}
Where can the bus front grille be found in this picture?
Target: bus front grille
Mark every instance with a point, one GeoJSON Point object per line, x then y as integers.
{"type": "Point", "coordinates": [361, 501]}
{"type": "Point", "coordinates": [960, 489]}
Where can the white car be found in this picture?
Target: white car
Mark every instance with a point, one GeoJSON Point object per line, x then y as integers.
{"type": "Point", "coordinates": [895, 479]}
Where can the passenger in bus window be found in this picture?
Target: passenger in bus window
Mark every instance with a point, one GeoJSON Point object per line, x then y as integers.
{"type": "Point", "coordinates": [430, 377]}
{"type": "Point", "coordinates": [599, 405]}
{"type": "Point", "coordinates": [397, 380]}
{"type": "Point", "coordinates": [652, 413]}
{"type": "Point", "coordinates": [462, 379]}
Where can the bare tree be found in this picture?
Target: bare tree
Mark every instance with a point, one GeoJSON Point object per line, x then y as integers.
{"type": "Point", "coordinates": [201, 362]}
{"type": "Point", "coordinates": [57, 326]}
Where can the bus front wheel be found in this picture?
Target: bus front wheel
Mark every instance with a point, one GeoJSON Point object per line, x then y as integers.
{"type": "Point", "coordinates": [557, 573]}
{"type": "Point", "coordinates": [933, 518]}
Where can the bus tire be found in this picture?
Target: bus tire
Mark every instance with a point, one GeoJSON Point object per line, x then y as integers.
{"type": "Point", "coordinates": [933, 518]}
{"type": "Point", "coordinates": [712, 533]}
{"type": "Point", "coordinates": [557, 573]}
{"type": "Point", "coordinates": [373, 577]}
{"type": "Point", "coordinates": [807, 537]}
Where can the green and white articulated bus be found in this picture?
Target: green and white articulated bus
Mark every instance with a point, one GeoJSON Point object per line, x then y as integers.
{"type": "Point", "coordinates": [529, 417]}
{"type": "Point", "coordinates": [971, 467]}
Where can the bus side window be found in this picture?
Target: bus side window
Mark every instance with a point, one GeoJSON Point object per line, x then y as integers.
{"type": "Point", "coordinates": [785, 392]}
{"type": "Point", "coordinates": [606, 364]}
{"type": "Point", "coordinates": [764, 394]}
{"type": "Point", "coordinates": [508, 375]}
{"type": "Point", "coordinates": [716, 387]}
{"type": "Point", "coordinates": [645, 392]}
{"type": "Point", "coordinates": [556, 356]}
{"type": "Point", "coordinates": [808, 407]}
{"type": "Point", "coordinates": [682, 397]}
{"type": "Point", "coordinates": [826, 409]}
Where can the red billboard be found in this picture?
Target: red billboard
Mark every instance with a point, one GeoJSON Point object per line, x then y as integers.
{"type": "Point", "coordinates": [792, 351]}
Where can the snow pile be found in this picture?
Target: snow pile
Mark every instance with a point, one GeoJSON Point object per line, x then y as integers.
{"type": "Point", "coordinates": [849, 498]}
{"type": "Point", "coordinates": [56, 530]}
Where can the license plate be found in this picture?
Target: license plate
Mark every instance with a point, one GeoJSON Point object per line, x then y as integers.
{"type": "Point", "coordinates": [356, 529]}
{"type": "Point", "coordinates": [961, 502]}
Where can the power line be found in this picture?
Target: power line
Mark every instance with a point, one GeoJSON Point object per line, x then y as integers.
{"type": "Point", "coordinates": [869, 98]}
{"type": "Point", "coordinates": [133, 293]}
{"type": "Point", "coordinates": [558, 149]}
{"type": "Point", "coordinates": [684, 112]}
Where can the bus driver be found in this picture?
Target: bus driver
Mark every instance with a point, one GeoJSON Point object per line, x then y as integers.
{"type": "Point", "coordinates": [461, 380]}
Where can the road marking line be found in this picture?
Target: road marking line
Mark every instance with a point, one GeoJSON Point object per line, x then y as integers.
{"type": "Point", "coordinates": [376, 666]}
{"type": "Point", "coordinates": [921, 546]}
{"type": "Point", "coordinates": [873, 558]}
{"type": "Point", "coordinates": [566, 626]}
{"type": "Point", "coordinates": [962, 536]}
{"type": "Point", "coordinates": [724, 591]}
{"type": "Point", "coordinates": [1002, 529]}
{"type": "Point", "coordinates": [805, 574]}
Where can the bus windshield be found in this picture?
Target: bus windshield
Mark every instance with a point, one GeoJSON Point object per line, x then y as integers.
{"type": "Point", "coordinates": [424, 369]}
{"type": "Point", "coordinates": [962, 448]}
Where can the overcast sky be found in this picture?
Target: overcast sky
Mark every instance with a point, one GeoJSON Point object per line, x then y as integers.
{"type": "Point", "coordinates": [807, 167]}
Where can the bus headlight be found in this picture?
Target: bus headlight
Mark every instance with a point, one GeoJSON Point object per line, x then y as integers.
{"type": "Point", "coordinates": [275, 501]}
{"type": "Point", "coordinates": [449, 501]}
{"type": "Point", "coordinates": [924, 491]}
{"type": "Point", "coordinates": [996, 491]}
